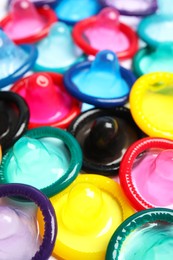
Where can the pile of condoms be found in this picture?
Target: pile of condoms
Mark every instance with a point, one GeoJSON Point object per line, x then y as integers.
{"type": "Point", "coordinates": [86, 129]}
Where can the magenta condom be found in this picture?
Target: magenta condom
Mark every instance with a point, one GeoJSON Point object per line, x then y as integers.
{"type": "Point", "coordinates": [49, 103]}
{"type": "Point", "coordinates": [27, 24]}
{"type": "Point", "coordinates": [146, 173]}
{"type": "Point", "coordinates": [19, 236]}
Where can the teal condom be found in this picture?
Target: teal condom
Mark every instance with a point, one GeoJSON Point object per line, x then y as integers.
{"type": "Point", "coordinates": [145, 235]}
{"type": "Point", "coordinates": [57, 52]}
{"type": "Point", "coordinates": [154, 60]}
{"type": "Point", "coordinates": [46, 158]}
{"type": "Point", "coordinates": [157, 28]}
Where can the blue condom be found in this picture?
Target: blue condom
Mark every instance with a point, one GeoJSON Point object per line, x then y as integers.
{"type": "Point", "coordinates": [102, 83]}
{"type": "Point", "coordinates": [15, 60]}
{"type": "Point", "coordinates": [70, 11]}
{"type": "Point", "coordinates": [57, 52]}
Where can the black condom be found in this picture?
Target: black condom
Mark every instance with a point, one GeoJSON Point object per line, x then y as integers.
{"type": "Point", "coordinates": [14, 117]}
{"type": "Point", "coordinates": [104, 136]}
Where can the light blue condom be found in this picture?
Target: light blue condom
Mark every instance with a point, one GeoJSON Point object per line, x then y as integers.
{"type": "Point", "coordinates": [157, 28]}
{"type": "Point", "coordinates": [152, 60]}
{"type": "Point", "coordinates": [70, 11]}
{"type": "Point", "coordinates": [165, 6]}
{"type": "Point", "coordinates": [57, 52]}
{"type": "Point", "coordinates": [15, 60]}
{"type": "Point", "coordinates": [101, 82]}
{"type": "Point", "coordinates": [103, 78]}
{"type": "Point", "coordinates": [37, 162]}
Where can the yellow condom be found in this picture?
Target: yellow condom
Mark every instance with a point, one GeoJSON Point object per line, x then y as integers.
{"type": "Point", "coordinates": [88, 212]}
{"type": "Point", "coordinates": [151, 104]}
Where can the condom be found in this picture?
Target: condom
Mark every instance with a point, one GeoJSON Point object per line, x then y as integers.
{"type": "Point", "coordinates": [146, 235]}
{"type": "Point", "coordinates": [105, 32]}
{"type": "Point", "coordinates": [101, 82]}
{"type": "Point", "coordinates": [24, 14]}
{"type": "Point", "coordinates": [104, 136]}
{"type": "Point", "coordinates": [19, 224]}
{"type": "Point", "coordinates": [88, 212]}
{"type": "Point", "coordinates": [55, 160]}
{"type": "Point", "coordinates": [15, 60]}
{"type": "Point", "coordinates": [14, 118]}
{"type": "Point", "coordinates": [145, 173]}
{"type": "Point", "coordinates": [49, 103]}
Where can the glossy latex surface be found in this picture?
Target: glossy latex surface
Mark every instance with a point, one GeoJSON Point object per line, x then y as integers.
{"type": "Point", "coordinates": [156, 29]}
{"type": "Point", "coordinates": [88, 212]}
{"type": "Point", "coordinates": [14, 117]}
{"type": "Point", "coordinates": [146, 234]}
{"type": "Point", "coordinates": [151, 104]}
{"type": "Point", "coordinates": [101, 82]}
{"type": "Point", "coordinates": [48, 101]}
{"type": "Point", "coordinates": [15, 60]}
{"type": "Point", "coordinates": [71, 13]}
{"type": "Point", "coordinates": [105, 32]}
{"type": "Point", "coordinates": [148, 60]}
{"type": "Point", "coordinates": [18, 226]}
{"type": "Point", "coordinates": [23, 14]}
{"type": "Point", "coordinates": [104, 136]}
{"type": "Point", "coordinates": [57, 51]}
{"type": "Point", "coordinates": [56, 160]}
{"type": "Point", "coordinates": [133, 7]}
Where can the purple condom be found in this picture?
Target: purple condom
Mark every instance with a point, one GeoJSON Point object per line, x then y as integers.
{"type": "Point", "coordinates": [52, 3]}
{"type": "Point", "coordinates": [12, 214]}
{"type": "Point", "coordinates": [132, 7]}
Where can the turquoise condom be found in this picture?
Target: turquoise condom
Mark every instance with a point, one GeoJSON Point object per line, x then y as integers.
{"type": "Point", "coordinates": [145, 235]}
{"type": "Point", "coordinates": [47, 158]}
{"type": "Point", "coordinates": [157, 28]}
{"type": "Point", "coordinates": [154, 59]}
{"type": "Point", "coordinates": [57, 52]}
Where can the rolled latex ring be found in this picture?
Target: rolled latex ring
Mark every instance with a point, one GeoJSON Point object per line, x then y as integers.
{"type": "Point", "coordinates": [127, 162]}
{"type": "Point", "coordinates": [50, 227]}
{"type": "Point", "coordinates": [23, 119]}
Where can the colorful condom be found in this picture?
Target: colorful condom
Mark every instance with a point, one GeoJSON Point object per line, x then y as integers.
{"type": "Point", "coordinates": [51, 3]}
{"type": "Point", "coordinates": [88, 212]}
{"type": "Point", "coordinates": [57, 52]}
{"type": "Point", "coordinates": [156, 28]}
{"type": "Point", "coordinates": [24, 15]}
{"type": "Point", "coordinates": [104, 31]}
{"type": "Point", "coordinates": [132, 11]}
{"type": "Point", "coordinates": [15, 60]}
{"type": "Point", "coordinates": [151, 103]}
{"type": "Point", "coordinates": [102, 82]}
{"type": "Point", "coordinates": [145, 235]}
{"type": "Point", "coordinates": [14, 118]}
{"type": "Point", "coordinates": [46, 158]}
{"type": "Point", "coordinates": [19, 227]}
{"type": "Point", "coordinates": [132, 7]}
{"type": "Point", "coordinates": [104, 136]}
{"type": "Point", "coordinates": [154, 60]}
{"type": "Point", "coordinates": [49, 103]}
{"type": "Point", "coordinates": [72, 12]}
{"type": "Point", "coordinates": [146, 173]}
